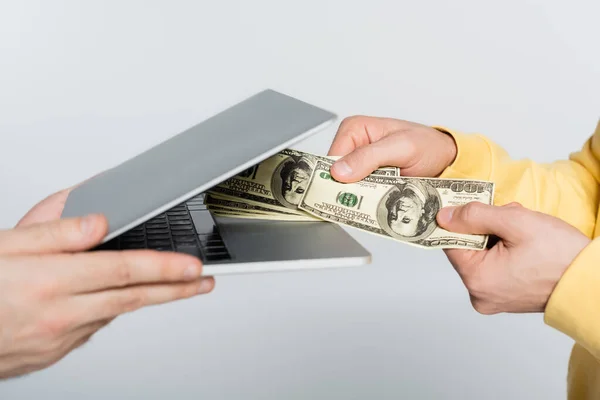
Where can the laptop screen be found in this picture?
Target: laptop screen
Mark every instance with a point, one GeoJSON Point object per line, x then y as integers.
{"type": "Point", "coordinates": [196, 159]}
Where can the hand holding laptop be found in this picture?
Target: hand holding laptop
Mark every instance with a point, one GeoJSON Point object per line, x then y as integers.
{"type": "Point", "coordinates": [55, 296]}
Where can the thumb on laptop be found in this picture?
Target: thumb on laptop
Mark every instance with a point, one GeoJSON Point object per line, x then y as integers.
{"type": "Point", "coordinates": [63, 235]}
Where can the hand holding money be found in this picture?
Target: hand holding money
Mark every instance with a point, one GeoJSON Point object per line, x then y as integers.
{"type": "Point", "coordinates": [298, 186]}
{"type": "Point", "coordinates": [364, 143]}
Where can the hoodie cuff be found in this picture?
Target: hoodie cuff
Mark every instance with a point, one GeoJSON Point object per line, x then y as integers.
{"type": "Point", "coordinates": [573, 305]}
{"type": "Point", "coordinates": [473, 156]}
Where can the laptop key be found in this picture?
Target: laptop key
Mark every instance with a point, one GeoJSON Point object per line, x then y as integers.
{"type": "Point", "coordinates": [198, 208]}
{"type": "Point", "coordinates": [154, 244]}
{"type": "Point", "coordinates": [158, 232]}
{"type": "Point", "coordinates": [217, 256]}
{"type": "Point", "coordinates": [133, 240]}
{"type": "Point", "coordinates": [133, 237]}
{"type": "Point", "coordinates": [132, 246]}
{"type": "Point", "coordinates": [189, 238]}
{"type": "Point", "coordinates": [163, 248]}
{"type": "Point", "coordinates": [191, 250]}
{"type": "Point", "coordinates": [180, 222]}
{"type": "Point", "coordinates": [203, 222]}
{"type": "Point", "coordinates": [155, 225]}
{"type": "Point", "coordinates": [174, 218]}
{"type": "Point", "coordinates": [184, 232]}
{"type": "Point", "coordinates": [181, 228]}
{"type": "Point", "coordinates": [178, 211]}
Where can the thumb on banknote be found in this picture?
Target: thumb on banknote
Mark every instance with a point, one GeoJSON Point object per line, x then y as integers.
{"type": "Point", "coordinates": [483, 219]}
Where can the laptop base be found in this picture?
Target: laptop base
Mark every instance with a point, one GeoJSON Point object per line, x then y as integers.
{"type": "Point", "coordinates": [239, 245]}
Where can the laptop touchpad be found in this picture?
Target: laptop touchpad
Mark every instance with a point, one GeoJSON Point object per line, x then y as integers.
{"type": "Point", "coordinates": [259, 240]}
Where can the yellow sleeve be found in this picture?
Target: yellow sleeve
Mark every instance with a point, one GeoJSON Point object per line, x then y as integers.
{"type": "Point", "coordinates": [573, 305]}
{"type": "Point", "coordinates": [567, 189]}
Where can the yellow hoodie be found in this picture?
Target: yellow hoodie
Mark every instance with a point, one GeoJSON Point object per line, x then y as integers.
{"type": "Point", "coordinates": [570, 190]}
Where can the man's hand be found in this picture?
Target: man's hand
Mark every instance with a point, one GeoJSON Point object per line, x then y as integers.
{"type": "Point", "coordinates": [46, 210]}
{"type": "Point", "coordinates": [53, 296]}
{"type": "Point", "coordinates": [367, 143]}
{"type": "Point", "coordinates": [50, 208]}
{"type": "Point", "coordinates": [519, 273]}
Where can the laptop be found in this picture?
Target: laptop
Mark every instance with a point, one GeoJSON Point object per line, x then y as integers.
{"type": "Point", "coordinates": [155, 200]}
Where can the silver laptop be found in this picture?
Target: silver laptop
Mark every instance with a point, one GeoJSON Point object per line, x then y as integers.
{"type": "Point", "coordinates": [155, 200]}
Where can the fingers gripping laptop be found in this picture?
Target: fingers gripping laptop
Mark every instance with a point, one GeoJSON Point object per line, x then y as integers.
{"type": "Point", "coordinates": [155, 200]}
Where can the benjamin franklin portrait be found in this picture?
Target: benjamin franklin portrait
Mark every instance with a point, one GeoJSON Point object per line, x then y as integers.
{"type": "Point", "coordinates": [290, 180]}
{"type": "Point", "coordinates": [409, 209]}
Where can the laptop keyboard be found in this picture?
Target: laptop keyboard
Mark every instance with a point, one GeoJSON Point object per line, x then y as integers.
{"type": "Point", "coordinates": [175, 230]}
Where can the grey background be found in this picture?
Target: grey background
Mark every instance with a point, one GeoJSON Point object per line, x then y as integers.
{"type": "Point", "coordinates": [85, 85]}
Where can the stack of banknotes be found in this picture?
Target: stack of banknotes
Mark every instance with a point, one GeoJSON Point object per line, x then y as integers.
{"type": "Point", "coordinates": [297, 186]}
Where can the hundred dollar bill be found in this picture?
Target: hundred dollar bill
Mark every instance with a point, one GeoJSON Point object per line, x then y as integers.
{"type": "Point", "coordinates": [225, 212]}
{"type": "Point", "coordinates": [216, 201]}
{"type": "Point", "coordinates": [226, 206]}
{"type": "Point", "coordinates": [230, 209]}
{"type": "Point", "coordinates": [236, 214]}
{"type": "Point", "coordinates": [279, 182]}
{"type": "Point", "coordinates": [399, 208]}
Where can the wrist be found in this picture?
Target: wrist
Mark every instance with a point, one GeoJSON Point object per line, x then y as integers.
{"type": "Point", "coordinates": [451, 148]}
